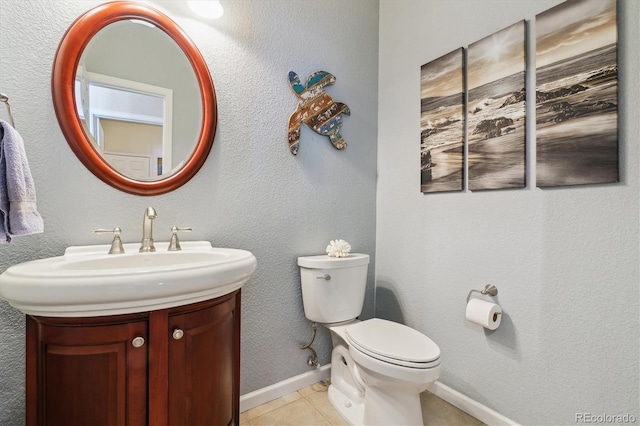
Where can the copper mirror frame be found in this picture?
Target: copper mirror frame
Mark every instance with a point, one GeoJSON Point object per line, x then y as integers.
{"type": "Point", "coordinates": [62, 83]}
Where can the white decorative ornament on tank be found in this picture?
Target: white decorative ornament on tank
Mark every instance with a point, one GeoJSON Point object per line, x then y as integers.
{"type": "Point", "coordinates": [338, 248]}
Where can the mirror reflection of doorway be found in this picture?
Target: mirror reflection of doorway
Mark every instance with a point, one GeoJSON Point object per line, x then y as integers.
{"type": "Point", "coordinates": [132, 166]}
{"type": "Point", "coordinates": [132, 148]}
{"type": "Point", "coordinates": [127, 119]}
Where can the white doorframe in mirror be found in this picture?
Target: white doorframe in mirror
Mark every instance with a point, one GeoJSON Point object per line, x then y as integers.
{"type": "Point", "coordinates": [137, 106]}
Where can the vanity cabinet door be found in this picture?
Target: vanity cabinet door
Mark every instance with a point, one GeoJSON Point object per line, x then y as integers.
{"type": "Point", "coordinates": [177, 366]}
{"type": "Point", "coordinates": [204, 362]}
{"type": "Point", "coordinates": [86, 371]}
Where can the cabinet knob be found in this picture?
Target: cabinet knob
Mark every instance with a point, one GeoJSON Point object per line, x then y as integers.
{"type": "Point", "coordinates": [177, 334]}
{"type": "Point", "coordinates": [138, 342]}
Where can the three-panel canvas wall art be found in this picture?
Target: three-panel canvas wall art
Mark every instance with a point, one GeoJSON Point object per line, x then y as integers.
{"type": "Point", "coordinates": [478, 96]}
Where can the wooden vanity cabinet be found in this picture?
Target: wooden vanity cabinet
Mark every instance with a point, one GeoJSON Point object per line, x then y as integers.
{"type": "Point", "coordinates": [177, 366]}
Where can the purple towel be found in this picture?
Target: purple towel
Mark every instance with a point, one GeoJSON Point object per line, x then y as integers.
{"type": "Point", "coordinates": [18, 211]}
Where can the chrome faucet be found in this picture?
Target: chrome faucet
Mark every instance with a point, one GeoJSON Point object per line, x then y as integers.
{"type": "Point", "coordinates": [146, 245]}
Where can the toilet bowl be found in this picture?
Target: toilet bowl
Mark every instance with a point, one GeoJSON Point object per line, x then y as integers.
{"type": "Point", "coordinates": [378, 367]}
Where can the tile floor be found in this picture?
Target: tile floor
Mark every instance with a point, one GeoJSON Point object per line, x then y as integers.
{"type": "Point", "coordinates": [311, 406]}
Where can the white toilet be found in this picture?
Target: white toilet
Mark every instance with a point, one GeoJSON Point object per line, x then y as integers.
{"type": "Point", "coordinates": [378, 367]}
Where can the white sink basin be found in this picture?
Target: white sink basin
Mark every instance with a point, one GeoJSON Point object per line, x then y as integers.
{"type": "Point", "coordinates": [87, 281]}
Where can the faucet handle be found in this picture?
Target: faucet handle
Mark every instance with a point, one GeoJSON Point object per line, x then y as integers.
{"type": "Point", "coordinates": [174, 243]}
{"type": "Point", "coordinates": [116, 244]}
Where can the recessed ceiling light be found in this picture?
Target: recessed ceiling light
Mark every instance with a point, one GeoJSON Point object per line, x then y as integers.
{"type": "Point", "coordinates": [210, 9]}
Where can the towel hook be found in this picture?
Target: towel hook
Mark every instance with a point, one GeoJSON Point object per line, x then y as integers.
{"type": "Point", "coordinates": [489, 289]}
{"type": "Point", "coordinates": [4, 98]}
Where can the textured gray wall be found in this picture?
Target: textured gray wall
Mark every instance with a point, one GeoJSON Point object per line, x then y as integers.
{"type": "Point", "coordinates": [565, 260]}
{"type": "Point", "coordinates": [251, 193]}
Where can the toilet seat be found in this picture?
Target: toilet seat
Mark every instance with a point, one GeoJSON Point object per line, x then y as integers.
{"type": "Point", "coordinates": [393, 343]}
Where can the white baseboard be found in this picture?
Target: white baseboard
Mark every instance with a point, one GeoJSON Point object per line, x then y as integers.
{"type": "Point", "coordinates": [442, 391]}
{"type": "Point", "coordinates": [481, 412]}
{"type": "Point", "coordinates": [285, 387]}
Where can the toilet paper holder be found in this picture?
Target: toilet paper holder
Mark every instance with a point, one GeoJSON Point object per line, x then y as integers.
{"type": "Point", "coordinates": [489, 289]}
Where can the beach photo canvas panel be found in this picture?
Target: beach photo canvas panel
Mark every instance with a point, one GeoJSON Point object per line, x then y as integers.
{"type": "Point", "coordinates": [577, 94]}
{"type": "Point", "coordinates": [496, 115]}
{"type": "Point", "coordinates": [442, 115]}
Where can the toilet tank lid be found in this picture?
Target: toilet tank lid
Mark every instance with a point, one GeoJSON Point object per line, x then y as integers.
{"type": "Point", "coordinates": [325, 262]}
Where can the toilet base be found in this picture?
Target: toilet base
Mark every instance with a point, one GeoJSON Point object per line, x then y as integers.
{"type": "Point", "coordinates": [396, 408]}
{"type": "Point", "coordinates": [346, 392]}
{"type": "Point", "coordinates": [387, 402]}
{"type": "Point", "coordinates": [404, 409]}
{"type": "Point", "coordinates": [351, 411]}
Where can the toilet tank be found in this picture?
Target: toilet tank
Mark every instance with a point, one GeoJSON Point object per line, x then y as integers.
{"type": "Point", "coordinates": [333, 287]}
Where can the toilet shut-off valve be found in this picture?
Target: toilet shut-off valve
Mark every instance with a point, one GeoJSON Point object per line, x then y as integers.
{"type": "Point", "coordinates": [312, 361]}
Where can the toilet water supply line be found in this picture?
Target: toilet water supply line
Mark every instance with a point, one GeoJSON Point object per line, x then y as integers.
{"type": "Point", "coordinates": [312, 361]}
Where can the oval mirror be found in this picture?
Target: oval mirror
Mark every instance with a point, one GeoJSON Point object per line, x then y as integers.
{"type": "Point", "coordinates": [134, 98]}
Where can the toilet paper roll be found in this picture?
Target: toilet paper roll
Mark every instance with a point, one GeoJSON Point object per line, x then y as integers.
{"type": "Point", "coordinates": [486, 314]}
